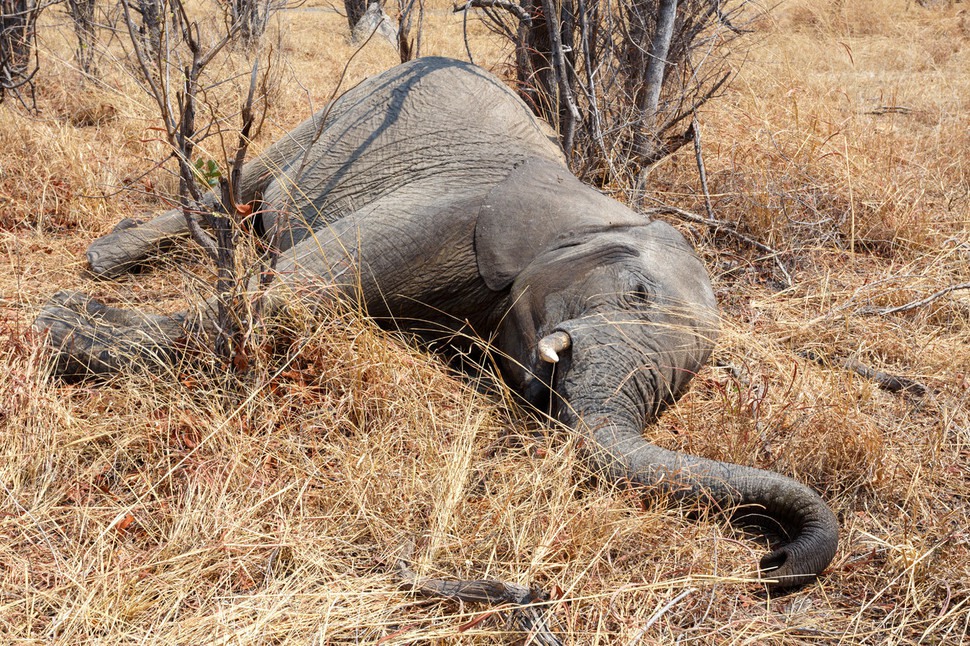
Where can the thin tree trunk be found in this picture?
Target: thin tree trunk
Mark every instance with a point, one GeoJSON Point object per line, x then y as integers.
{"type": "Point", "coordinates": [568, 113]}
{"type": "Point", "coordinates": [649, 99]}
{"type": "Point", "coordinates": [355, 11]}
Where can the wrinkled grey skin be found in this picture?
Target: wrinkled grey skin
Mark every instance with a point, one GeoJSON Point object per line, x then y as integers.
{"type": "Point", "coordinates": [436, 198]}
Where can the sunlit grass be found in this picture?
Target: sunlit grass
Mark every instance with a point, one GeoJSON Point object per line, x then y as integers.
{"type": "Point", "coordinates": [269, 507]}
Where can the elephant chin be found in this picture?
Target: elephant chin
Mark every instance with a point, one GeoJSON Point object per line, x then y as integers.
{"type": "Point", "coordinates": [771, 500]}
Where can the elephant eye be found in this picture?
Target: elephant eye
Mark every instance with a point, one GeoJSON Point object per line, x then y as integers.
{"type": "Point", "coordinates": [641, 294]}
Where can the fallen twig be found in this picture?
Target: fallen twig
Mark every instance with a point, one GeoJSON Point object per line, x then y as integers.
{"type": "Point", "coordinates": [886, 381]}
{"type": "Point", "coordinates": [721, 226]}
{"type": "Point", "coordinates": [660, 613]}
{"type": "Point", "coordinates": [924, 301]}
{"type": "Point", "coordinates": [890, 109]}
{"type": "Point", "coordinates": [528, 604]}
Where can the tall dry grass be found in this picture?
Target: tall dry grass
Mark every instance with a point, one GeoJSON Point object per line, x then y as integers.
{"type": "Point", "coordinates": [268, 508]}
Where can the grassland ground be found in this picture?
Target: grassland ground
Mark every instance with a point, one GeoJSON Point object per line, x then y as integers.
{"type": "Point", "coordinates": [268, 507]}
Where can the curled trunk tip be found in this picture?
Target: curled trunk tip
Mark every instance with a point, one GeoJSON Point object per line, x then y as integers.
{"type": "Point", "coordinates": [794, 508]}
{"type": "Point", "coordinates": [803, 559]}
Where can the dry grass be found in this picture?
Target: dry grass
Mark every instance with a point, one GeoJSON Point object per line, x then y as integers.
{"type": "Point", "coordinates": [268, 508]}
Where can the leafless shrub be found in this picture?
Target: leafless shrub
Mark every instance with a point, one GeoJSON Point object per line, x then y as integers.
{"type": "Point", "coordinates": [82, 15]}
{"type": "Point", "coordinates": [172, 67]}
{"type": "Point", "coordinates": [621, 80]}
{"type": "Point", "coordinates": [253, 16]}
{"type": "Point", "coordinates": [18, 56]}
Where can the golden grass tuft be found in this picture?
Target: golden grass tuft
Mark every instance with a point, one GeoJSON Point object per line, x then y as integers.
{"type": "Point", "coordinates": [199, 507]}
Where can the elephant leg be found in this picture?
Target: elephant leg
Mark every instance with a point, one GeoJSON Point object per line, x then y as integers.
{"type": "Point", "coordinates": [89, 338]}
{"type": "Point", "coordinates": [374, 256]}
{"type": "Point", "coordinates": [132, 243]}
{"type": "Point", "coordinates": [400, 257]}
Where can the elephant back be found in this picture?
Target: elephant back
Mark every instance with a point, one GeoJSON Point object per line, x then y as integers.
{"type": "Point", "coordinates": [433, 126]}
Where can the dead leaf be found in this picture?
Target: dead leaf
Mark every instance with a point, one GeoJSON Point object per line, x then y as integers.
{"type": "Point", "coordinates": [126, 522]}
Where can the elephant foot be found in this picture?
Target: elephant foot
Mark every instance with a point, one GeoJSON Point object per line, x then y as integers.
{"type": "Point", "coordinates": [132, 243]}
{"type": "Point", "coordinates": [92, 339]}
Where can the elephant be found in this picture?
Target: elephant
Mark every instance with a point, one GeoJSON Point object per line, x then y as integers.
{"type": "Point", "coordinates": [431, 195]}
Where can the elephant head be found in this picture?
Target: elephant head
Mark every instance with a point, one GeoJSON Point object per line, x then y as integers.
{"type": "Point", "coordinates": [610, 317]}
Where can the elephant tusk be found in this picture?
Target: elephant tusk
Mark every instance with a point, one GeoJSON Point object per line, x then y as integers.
{"type": "Point", "coordinates": [552, 344]}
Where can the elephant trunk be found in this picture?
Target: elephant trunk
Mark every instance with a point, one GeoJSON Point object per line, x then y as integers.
{"type": "Point", "coordinates": [767, 499]}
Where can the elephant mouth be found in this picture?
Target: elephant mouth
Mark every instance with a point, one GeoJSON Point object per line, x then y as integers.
{"type": "Point", "coordinates": [550, 362]}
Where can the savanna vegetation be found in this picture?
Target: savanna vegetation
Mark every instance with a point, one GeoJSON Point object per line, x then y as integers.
{"type": "Point", "coordinates": [270, 503]}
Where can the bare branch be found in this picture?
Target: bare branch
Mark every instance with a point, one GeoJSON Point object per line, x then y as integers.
{"type": "Point", "coordinates": [511, 7]}
{"type": "Point", "coordinates": [464, 33]}
{"type": "Point", "coordinates": [653, 79]}
{"type": "Point", "coordinates": [155, 91]}
{"type": "Point", "coordinates": [924, 301]}
{"type": "Point", "coordinates": [719, 226]}
{"type": "Point", "coordinates": [695, 129]}
{"type": "Point", "coordinates": [409, 48]}
{"type": "Point", "coordinates": [568, 129]}
{"type": "Point", "coordinates": [528, 604]}
{"type": "Point", "coordinates": [244, 139]}
{"type": "Point", "coordinates": [724, 19]}
{"type": "Point", "coordinates": [885, 381]}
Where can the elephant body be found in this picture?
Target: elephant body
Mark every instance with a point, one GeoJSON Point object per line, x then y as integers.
{"type": "Point", "coordinates": [433, 196]}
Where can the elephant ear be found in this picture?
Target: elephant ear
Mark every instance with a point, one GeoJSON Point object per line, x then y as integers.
{"type": "Point", "coordinates": [540, 206]}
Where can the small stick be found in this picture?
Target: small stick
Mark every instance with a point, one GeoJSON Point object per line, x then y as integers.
{"type": "Point", "coordinates": [717, 225]}
{"type": "Point", "coordinates": [925, 301]}
{"type": "Point", "coordinates": [696, 130]}
{"type": "Point", "coordinates": [720, 225]}
{"type": "Point", "coordinates": [886, 381]}
{"type": "Point", "coordinates": [525, 613]}
{"type": "Point", "coordinates": [464, 32]}
{"type": "Point", "coordinates": [660, 613]}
